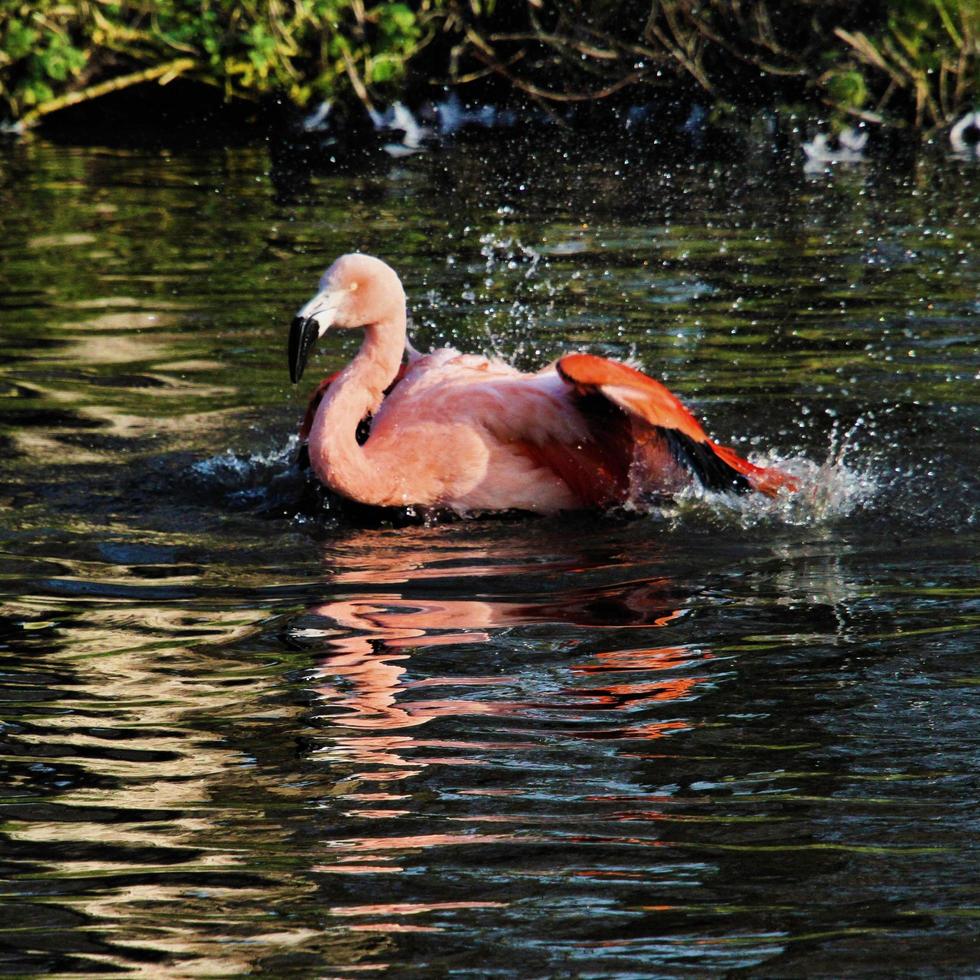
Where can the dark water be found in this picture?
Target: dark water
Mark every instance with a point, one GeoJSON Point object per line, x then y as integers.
{"type": "Point", "coordinates": [723, 738]}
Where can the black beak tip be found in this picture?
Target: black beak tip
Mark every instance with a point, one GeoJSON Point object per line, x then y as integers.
{"type": "Point", "coordinates": [302, 335]}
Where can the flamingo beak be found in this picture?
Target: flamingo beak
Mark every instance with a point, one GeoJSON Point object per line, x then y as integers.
{"type": "Point", "coordinates": [308, 326]}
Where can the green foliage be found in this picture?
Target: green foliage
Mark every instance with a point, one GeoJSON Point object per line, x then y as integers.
{"type": "Point", "coordinates": [39, 49]}
{"type": "Point", "coordinates": [923, 62]}
{"type": "Point", "coordinates": [913, 61]}
{"type": "Point", "coordinates": [399, 31]}
{"type": "Point", "coordinates": [297, 48]}
{"type": "Point", "coordinates": [846, 88]}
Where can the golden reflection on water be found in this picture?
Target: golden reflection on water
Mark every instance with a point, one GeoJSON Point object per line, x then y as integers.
{"type": "Point", "coordinates": [151, 687]}
{"type": "Point", "coordinates": [151, 781]}
{"type": "Point", "coordinates": [47, 443]}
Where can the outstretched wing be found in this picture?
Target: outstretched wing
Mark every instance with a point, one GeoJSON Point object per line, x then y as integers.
{"type": "Point", "coordinates": [716, 467]}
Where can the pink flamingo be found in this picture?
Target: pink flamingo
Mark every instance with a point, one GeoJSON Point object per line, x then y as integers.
{"type": "Point", "coordinates": [463, 432]}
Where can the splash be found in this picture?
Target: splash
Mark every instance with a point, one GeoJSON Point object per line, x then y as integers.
{"type": "Point", "coordinates": [830, 491]}
{"type": "Point", "coordinates": [866, 472]}
{"type": "Point", "coordinates": [230, 470]}
{"type": "Point", "coordinates": [249, 479]}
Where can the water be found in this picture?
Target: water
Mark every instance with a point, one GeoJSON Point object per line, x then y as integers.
{"type": "Point", "coordinates": [723, 737]}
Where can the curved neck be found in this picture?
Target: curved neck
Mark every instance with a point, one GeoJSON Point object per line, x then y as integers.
{"type": "Point", "coordinates": [337, 458]}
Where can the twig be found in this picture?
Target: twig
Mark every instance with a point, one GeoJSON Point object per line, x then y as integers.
{"type": "Point", "coordinates": [357, 84]}
{"type": "Point", "coordinates": [678, 53]}
{"type": "Point", "coordinates": [866, 50]}
{"type": "Point", "coordinates": [165, 72]}
{"type": "Point", "coordinates": [556, 40]}
{"type": "Point", "coordinates": [541, 93]}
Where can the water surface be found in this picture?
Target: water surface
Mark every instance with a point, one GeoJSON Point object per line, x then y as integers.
{"type": "Point", "coordinates": [728, 736]}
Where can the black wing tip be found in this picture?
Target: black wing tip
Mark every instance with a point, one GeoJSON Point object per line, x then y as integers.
{"type": "Point", "coordinates": [712, 472]}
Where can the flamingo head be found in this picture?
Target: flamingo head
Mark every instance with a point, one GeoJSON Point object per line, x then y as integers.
{"type": "Point", "coordinates": [356, 291]}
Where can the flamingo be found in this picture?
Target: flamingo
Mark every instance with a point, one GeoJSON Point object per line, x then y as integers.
{"type": "Point", "coordinates": [469, 434]}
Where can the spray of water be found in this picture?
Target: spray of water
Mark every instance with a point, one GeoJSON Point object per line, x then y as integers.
{"type": "Point", "coordinates": [830, 490]}
{"type": "Point", "coordinates": [247, 479]}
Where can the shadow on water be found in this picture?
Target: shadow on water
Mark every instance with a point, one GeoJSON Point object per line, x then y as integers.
{"type": "Point", "coordinates": [721, 737]}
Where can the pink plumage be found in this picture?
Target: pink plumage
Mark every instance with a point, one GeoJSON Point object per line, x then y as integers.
{"type": "Point", "coordinates": [463, 432]}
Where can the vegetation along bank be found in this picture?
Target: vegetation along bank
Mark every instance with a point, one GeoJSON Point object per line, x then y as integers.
{"type": "Point", "coordinates": [905, 64]}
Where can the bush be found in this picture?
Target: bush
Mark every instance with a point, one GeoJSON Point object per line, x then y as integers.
{"type": "Point", "coordinates": [923, 63]}
{"type": "Point", "coordinates": [54, 54]}
{"type": "Point", "coordinates": [898, 62]}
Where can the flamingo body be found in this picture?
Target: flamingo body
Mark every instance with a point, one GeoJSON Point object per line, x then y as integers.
{"type": "Point", "coordinates": [473, 434]}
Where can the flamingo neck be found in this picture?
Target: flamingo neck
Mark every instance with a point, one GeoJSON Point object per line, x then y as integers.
{"type": "Point", "coordinates": [335, 455]}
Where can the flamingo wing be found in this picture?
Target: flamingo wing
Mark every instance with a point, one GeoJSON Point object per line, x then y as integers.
{"type": "Point", "coordinates": [596, 465]}
{"type": "Point", "coordinates": [642, 398]}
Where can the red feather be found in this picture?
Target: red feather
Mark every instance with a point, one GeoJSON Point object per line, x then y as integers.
{"type": "Point", "coordinates": [649, 400]}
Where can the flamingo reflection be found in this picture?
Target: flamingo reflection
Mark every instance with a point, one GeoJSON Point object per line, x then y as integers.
{"type": "Point", "coordinates": [436, 596]}
{"type": "Point", "coordinates": [369, 638]}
